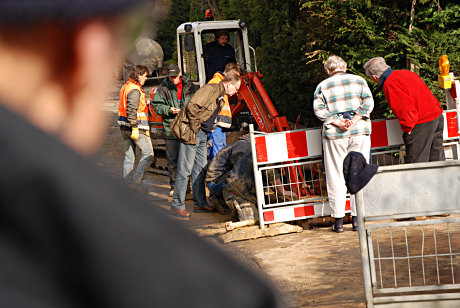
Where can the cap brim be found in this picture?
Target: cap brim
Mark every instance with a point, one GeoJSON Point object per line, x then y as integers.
{"type": "Point", "coordinates": [20, 12]}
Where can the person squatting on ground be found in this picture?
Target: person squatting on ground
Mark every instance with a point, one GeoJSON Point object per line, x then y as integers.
{"type": "Point", "coordinates": [71, 236]}
{"type": "Point", "coordinates": [230, 178]}
{"type": "Point", "coordinates": [133, 117]}
{"type": "Point", "coordinates": [344, 103]}
{"type": "Point", "coordinates": [172, 94]}
{"type": "Point", "coordinates": [218, 53]}
{"type": "Point", "coordinates": [216, 137]}
{"type": "Point", "coordinates": [191, 127]}
{"type": "Point", "coordinates": [418, 111]}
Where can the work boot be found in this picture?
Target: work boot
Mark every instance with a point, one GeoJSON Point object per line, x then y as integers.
{"type": "Point", "coordinates": [338, 225]}
{"type": "Point", "coordinates": [354, 223]}
{"type": "Point", "coordinates": [219, 205]}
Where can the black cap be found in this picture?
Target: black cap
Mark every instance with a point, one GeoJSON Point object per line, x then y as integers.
{"type": "Point", "coordinates": [357, 172]}
{"type": "Point", "coordinates": [30, 11]}
{"type": "Point", "coordinates": [173, 70]}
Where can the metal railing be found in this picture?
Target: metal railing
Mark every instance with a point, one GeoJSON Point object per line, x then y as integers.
{"type": "Point", "coordinates": [413, 263]}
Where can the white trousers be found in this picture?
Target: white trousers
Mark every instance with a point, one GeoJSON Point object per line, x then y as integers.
{"type": "Point", "coordinates": [334, 153]}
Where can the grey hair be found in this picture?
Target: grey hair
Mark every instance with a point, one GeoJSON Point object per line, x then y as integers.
{"type": "Point", "coordinates": [333, 63]}
{"type": "Point", "coordinates": [375, 67]}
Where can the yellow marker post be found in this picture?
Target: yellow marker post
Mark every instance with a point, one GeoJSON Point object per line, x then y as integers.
{"type": "Point", "coordinates": [444, 79]}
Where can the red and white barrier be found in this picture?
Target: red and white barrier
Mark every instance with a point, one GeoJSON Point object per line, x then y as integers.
{"type": "Point", "coordinates": [290, 213]}
{"type": "Point", "coordinates": [297, 144]}
{"type": "Point", "coordinates": [275, 150]}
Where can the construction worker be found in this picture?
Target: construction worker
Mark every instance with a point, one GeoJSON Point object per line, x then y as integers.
{"type": "Point", "coordinates": [174, 93]}
{"type": "Point", "coordinates": [191, 127]}
{"type": "Point", "coordinates": [70, 235]}
{"type": "Point", "coordinates": [218, 53]}
{"type": "Point", "coordinates": [133, 116]}
{"type": "Point", "coordinates": [216, 137]}
{"type": "Point", "coordinates": [231, 170]}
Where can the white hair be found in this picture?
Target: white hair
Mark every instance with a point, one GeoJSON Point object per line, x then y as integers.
{"type": "Point", "coordinates": [375, 67]}
{"type": "Point", "coordinates": [333, 63]}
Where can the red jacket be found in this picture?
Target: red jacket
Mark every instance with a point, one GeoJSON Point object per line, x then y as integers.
{"type": "Point", "coordinates": [410, 99]}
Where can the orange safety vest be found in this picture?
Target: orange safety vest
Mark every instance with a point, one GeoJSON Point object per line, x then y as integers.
{"type": "Point", "coordinates": [155, 120]}
{"type": "Point", "coordinates": [224, 118]}
{"type": "Point", "coordinates": [142, 111]}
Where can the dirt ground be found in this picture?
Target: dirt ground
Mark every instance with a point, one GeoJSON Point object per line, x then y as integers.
{"type": "Point", "coordinates": [313, 268]}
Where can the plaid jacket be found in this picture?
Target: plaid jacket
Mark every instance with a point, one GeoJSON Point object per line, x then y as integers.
{"type": "Point", "coordinates": [343, 93]}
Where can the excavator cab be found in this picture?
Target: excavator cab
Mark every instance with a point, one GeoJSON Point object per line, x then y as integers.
{"type": "Point", "coordinates": [193, 37]}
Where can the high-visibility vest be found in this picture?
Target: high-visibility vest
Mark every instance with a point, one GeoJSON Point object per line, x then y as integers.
{"type": "Point", "coordinates": [142, 111]}
{"type": "Point", "coordinates": [155, 120]}
{"type": "Point", "coordinates": [224, 118]}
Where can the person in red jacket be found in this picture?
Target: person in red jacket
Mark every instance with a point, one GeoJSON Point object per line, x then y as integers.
{"type": "Point", "coordinates": [417, 109]}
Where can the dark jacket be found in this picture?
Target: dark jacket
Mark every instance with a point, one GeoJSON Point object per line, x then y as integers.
{"type": "Point", "coordinates": [199, 109]}
{"type": "Point", "coordinates": [217, 57]}
{"type": "Point", "coordinates": [233, 166]}
{"type": "Point", "coordinates": [166, 97]}
{"type": "Point", "coordinates": [71, 236]}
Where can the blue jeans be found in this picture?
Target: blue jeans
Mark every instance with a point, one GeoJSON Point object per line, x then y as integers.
{"type": "Point", "coordinates": [216, 189]}
{"type": "Point", "coordinates": [217, 136]}
{"type": "Point", "coordinates": [129, 148]}
{"type": "Point", "coordinates": [192, 161]}
{"type": "Point", "coordinates": [172, 154]}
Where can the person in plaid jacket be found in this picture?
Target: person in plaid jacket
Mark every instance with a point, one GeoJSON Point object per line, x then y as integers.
{"type": "Point", "coordinates": [343, 102]}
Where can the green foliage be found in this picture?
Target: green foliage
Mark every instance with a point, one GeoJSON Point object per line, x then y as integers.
{"type": "Point", "coordinates": [166, 35]}
{"type": "Point", "coordinates": [299, 35]}
{"type": "Point", "coordinates": [357, 31]}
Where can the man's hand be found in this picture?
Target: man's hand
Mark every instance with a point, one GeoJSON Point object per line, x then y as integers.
{"type": "Point", "coordinates": [135, 133]}
{"type": "Point", "coordinates": [350, 123]}
{"type": "Point", "coordinates": [174, 110]}
{"type": "Point", "coordinates": [340, 124]}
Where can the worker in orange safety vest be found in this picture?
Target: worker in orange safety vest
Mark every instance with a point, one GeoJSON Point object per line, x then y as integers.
{"type": "Point", "coordinates": [133, 116]}
{"type": "Point", "coordinates": [216, 138]}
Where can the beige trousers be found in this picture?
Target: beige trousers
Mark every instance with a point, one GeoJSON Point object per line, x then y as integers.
{"type": "Point", "coordinates": [334, 153]}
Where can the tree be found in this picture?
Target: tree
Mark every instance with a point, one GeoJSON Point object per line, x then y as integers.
{"type": "Point", "coordinates": [166, 36]}
{"type": "Point", "coordinates": [298, 36]}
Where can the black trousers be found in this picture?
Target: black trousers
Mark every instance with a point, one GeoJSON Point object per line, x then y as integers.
{"type": "Point", "coordinates": [424, 143]}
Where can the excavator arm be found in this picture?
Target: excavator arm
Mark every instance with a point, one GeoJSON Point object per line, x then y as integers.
{"type": "Point", "coordinates": [252, 93]}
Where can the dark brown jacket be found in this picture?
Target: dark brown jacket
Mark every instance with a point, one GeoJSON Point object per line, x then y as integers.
{"type": "Point", "coordinates": [200, 107]}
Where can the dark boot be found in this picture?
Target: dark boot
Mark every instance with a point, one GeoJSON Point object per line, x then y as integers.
{"type": "Point", "coordinates": [338, 225]}
{"type": "Point", "coordinates": [354, 223]}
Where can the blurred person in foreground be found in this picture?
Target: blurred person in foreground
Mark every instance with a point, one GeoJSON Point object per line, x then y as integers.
{"type": "Point", "coordinates": [133, 119]}
{"type": "Point", "coordinates": [418, 111]}
{"type": "Point", "coordinates": [71, 236]}
{"type": "Point", "coordinates": [344, 103]}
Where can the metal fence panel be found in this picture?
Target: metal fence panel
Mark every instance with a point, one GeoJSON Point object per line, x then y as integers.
{"type": "Point", "coordinates": [403, 259]}
{"type": "Point", "coordinates": [430, 188]}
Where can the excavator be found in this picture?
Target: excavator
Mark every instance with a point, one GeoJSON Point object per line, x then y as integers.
{"type": "Point", "coordinates": [191, 39]}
